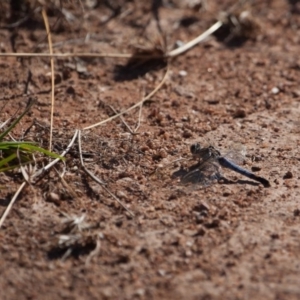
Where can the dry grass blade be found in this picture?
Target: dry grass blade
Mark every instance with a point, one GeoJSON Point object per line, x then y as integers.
{"type": "Point", "coordinates": [135, 55]}
{"type": "Point", "coordinates": [122, 119]}
{"type": "Point", "coordinates": [52, 74]}
{"type": "Point", "coordinates": [66, 185]}
{"type": "Point", "coordinates": [74, 224]}
{"type": "Point", "coordinates": [102, 183]}
{"type": "Point", "coordinates": [4, 123]}
{"type": "Point", "coordinates": [158, 53]}
{"type": "Point", "coordinates": [27, 171]}
{"type": "Point", "coordinates": [50, 165]}
{"type": "Point", "coordinates": [95, 178]}
{"type": "Point", "coordinates": [195, 41]}
{"type": "Point", "coordinates": [94, 252]}
{"type": "Point", "coordinates": [85, 54]}
{"type": "Point", "coordinates": [139, 119]}
{"type": "Point", "coordinates": [135, 105]}
{"type": "Point", "coordinates": [12, 203]}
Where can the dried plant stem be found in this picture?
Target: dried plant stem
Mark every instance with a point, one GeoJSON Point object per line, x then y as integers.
{"type": "Point", "coordinates": [122, 119]}
{"type": "Point", "coordinates": [195, 41]}
{"type": "Point", "coordinates": [94, 252]}
{"type": "Point", "coordinates": [135, 105]}
{"type": "Point", "coordinates": [51, 164]}
{"type": "Point", "coordinates": [12, 203]}
{"type": "Point", "coordinates": [87, 54]}
{"type": "Point", "coordinates": [95, 178]}
{"type": "Point", "coordinates": [52, 74]}
{"type": "Point", "coordinates": [170, 54]}
{"type": "Point", "coordinates": [66, 185]}
{"type": "Point", "coordinates": [139, 119]}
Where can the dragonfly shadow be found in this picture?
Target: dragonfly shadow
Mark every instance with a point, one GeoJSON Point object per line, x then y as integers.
{"type": "Point", "coordinates": [195, 175]}
{"type": "Point", "coordinates": [179, 174]}
{"type": "Point", "coordinates": [183, 175]}
{"type": "Point", "coordinates": [224, 180]}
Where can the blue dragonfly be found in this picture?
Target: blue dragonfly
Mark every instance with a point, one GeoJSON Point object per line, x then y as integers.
{"type": "Point", "coordinates": [207, 170]}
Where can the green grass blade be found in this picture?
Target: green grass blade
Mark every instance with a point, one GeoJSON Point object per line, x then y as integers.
{"type": "Point", "coordinates": [12, 167]}
{"type": "Point", "coordinates": [27, 147]}
{"type": "Point", "coordinates": [6, 160]}
{"type": "Point", "coordinates": [15, 122]}
{"type": "Point", "coordinates": [32, 148]}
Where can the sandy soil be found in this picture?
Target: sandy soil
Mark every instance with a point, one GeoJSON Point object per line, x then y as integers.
{"type": "Point", "coordinates": [231, 240]}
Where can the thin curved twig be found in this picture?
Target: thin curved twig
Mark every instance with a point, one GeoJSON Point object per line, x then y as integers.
{"type": "Point", "coordinates": [135, 105]}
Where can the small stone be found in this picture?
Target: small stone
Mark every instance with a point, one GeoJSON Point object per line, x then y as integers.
{"type": "Point", "coordinates": [297, 212]}
{"type": "Point", "coordinates": [121, 195]}
{"type": "Point", "coordinates": [202, 206]}
{"type": "Point", "coordinates": [189, 232]}
{"type": "Point", "coordinates": [140, 292]}
{"type": "Point", "coordinates": [239, 113]}
{"type": "Point", "coordinates": [178, 125]}
{"type": "Point", "coordinates": [70, 90]}
{"type": "Point", "coordinates": [91, 3]}
{"type": "Point", "coordinates": [187, 134]}
{"type": "Point", "coordinates": [53, 197]}
{"type": "Point", "coordinates": [144, 148]}
{"type": "Point", "coordinates": [162, 153]}
{"type": "Point", "coordinates": [182, 73]}
{"type": "Point", "coordinates": [175, 103]}
{"type": "Point", "coordinates": [161, 272]}
{"type": "Point", "coordinates": [288, 175]}
{"type": "Point", "coordinates": [274, 236]}
{"type": "Point", "coordinates": [255, 168]}
{"type": "Point", "coordinates": [275, 90]}
{"type": "Point", "coordinates": [179, 43]}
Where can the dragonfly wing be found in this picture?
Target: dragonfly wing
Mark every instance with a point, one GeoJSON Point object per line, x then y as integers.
{"type": "Point", "coordinates": [206, 174]}
{"type": "Point", "coordinates": [236, 154]}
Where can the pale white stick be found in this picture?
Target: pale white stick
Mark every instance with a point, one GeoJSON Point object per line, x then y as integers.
{"type": "Point", "coordinates": [11, 203]}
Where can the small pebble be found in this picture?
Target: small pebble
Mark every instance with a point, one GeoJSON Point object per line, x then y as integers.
{"type": "Point", "coordinates": [70, 90]}
{"type": "Point", "coordinates": [182, 73]}
{"type": "Point", "coordinates": [239, 113]}
{"type": "Point", "coordinates": [53, 197]}
{"type": "Point", "coordinates": [140, 292]}
{"type": "Point", "coordinates": [187, 134]}
{"type": "Point", "coordinates": [255, 168]}
{"type": "Point", "coordinates": [288, 175]}
{"type": "Point", "coordinates": [275, 90]}
{"type": "Point", "coordinates": [179, 43]}
{"type": "Point", "coordinates": [121, 194]}
{"type": "Point", "coordinates": [297, 212]}
{"type": "Point", "coordinates": [178, 125]}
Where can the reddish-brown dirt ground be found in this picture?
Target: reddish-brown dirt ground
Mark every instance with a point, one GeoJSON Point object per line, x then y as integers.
{"type": "Point", "coordinates": [234, 239]}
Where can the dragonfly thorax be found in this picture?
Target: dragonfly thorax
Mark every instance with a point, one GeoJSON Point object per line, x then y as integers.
{"type": "Point", "coordinates": [204, 153]}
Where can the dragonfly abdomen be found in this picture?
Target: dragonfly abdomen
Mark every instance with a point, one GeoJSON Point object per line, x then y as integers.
{"type": "Point", "coordinates": [229, 165]}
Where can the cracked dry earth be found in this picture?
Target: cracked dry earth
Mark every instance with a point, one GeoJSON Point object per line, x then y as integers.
{"type": "Point", "coordinates": [69, 239]}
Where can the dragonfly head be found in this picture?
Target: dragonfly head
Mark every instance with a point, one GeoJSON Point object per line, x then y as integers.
{"type": "Point", "coordinates": [195, 148]}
